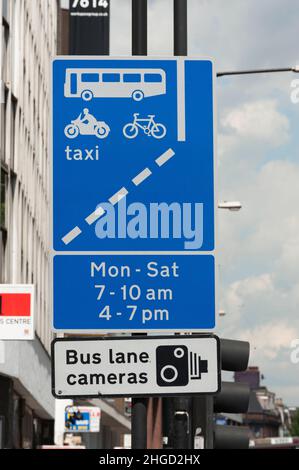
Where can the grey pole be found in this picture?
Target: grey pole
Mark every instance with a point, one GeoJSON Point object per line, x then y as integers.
{"type": "Point", "coordinates": [139, 27]}
{"type": "Point", "coordinates": [139, 47]}
{"type": "Point", "coordinates": [139, 422]}
{"type": "Point", "coordinates": [180, 27]}
{"type": "Point", "coordinates": [182, 438]}
{"type": "Point", "coordinates": [254, 71]}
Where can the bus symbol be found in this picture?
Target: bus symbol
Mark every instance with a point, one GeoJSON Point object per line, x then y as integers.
{"type": "Point", "coordinates": [114, 83]}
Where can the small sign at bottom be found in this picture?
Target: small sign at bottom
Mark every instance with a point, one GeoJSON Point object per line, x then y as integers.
{"type": "Point", "coordinates": [166, 365]}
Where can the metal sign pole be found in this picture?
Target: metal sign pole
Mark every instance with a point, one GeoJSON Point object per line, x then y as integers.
{"type": "Point", "coordinates": [182, 405]}
{"type": "Point", "coordinates": [139, 27]}
{"type": "Point", "coordinates": [139, 47]}
{"type": "Point", "coordinates": [89, 35]}
{"type": "Point", "coordinates": [180, 27]}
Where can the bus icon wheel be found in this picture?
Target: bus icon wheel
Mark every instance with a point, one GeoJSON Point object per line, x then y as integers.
{"type": "Point", "coordinates": [137, 95]}
{"type": "Point", "coordinates": [87, 95]}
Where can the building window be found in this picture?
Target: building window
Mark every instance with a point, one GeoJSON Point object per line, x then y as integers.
{"type": "Point", "coordinates": [5, 50]}
{"type": "Point", "coordinates": [2, 430]}
{"type": "Point", "coordinates": [3, 199]}
{"type": "Point", "coordinates": [5, 10]}
{"type": "Point", "coordinates": [16, 421]}
{"type": "Point", "coordinates": [13, 126]}
{"type": "Point", "coordinates": [3, 126]}
{"type": "Point", "coordinates": [3, 222]}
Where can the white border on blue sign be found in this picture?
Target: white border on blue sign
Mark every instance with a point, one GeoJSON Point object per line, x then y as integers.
{"type": "Point", "coordinates": [214, 252]}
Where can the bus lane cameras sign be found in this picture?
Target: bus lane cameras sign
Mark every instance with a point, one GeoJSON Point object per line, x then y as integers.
{"type": "Point", "coordinates": [133, 195]}
{"type": "Point", "coordinates": [132, 366]}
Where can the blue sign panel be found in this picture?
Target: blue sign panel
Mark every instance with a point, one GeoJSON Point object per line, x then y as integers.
{"type": "Point", "coordinates": [150, 292]}
{"type": "Point", "coordinates": [82, 419]}
{"type": "Point", "coordinates": [77, 422]}
{"type": "Point", "coordinates": [133, 175]}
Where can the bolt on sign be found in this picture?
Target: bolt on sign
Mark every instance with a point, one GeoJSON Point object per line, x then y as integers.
{"type": "Point", "coordinates": [85, 367]}
{"type": "Point", "coordinates": [16, 311]}
{"type": "Point", "coordinates": [133, 194]}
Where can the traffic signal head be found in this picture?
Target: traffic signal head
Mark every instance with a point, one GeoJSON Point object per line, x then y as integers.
{"type": "Point", "coordinates": [233, 397]}
{"type": "Point", "coordinates": [234, 354]}
{"type": "Point", "coordinates": [231, 437]}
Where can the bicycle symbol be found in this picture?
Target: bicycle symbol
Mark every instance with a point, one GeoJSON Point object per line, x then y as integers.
{"type": "Point", "coordinates": [147, 125]}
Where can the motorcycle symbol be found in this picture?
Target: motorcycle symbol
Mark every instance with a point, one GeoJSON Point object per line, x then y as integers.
{"type": "Point", "coordinates": [86, 124]}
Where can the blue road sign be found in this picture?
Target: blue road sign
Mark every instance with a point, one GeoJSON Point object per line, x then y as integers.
{"type": "Point", "coordinates": [82, 419]}
{"type": "Point", "coordinates": [133, 183]}
{"type": "Point", "coordinates": [77, 424]}
{"type": "Point", "coordinates": [136, 292]}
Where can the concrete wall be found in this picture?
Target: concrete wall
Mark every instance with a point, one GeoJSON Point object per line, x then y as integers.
{"type": "Point", "coordinates": [28, 364]}
{"type": "Point", "coordinates": [28, 42]}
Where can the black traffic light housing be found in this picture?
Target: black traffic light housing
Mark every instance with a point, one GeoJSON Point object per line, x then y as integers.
{"type": "Point", "coordinates": [234, 354]}
{"type": "Point", "coordinates": [231, 437]}
{"type": "Point", "coordinates": [233, 397]}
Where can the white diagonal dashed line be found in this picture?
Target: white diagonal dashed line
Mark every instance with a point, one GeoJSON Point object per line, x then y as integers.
{"type": "Point", "coordinates": [141, 176]}
{"type": "Point", "coordinates": [95, 215]}
{"type": "Point", "coordinates": [70, 236]}
{"type": "Point", "coordinates": [164, 157]}
{"type": "Point", "coordinates": [118, 196]}
{"type": "Point", "coordinates": [123, 192]}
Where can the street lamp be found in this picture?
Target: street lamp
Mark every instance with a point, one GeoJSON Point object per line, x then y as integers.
{"type": "Point", "coordinates": [254, 71]}
{"type": "Point", "coordinates": [230, 205]}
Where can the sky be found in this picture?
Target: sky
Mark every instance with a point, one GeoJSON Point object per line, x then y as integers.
{"type": "Point", "coordinates": [258, 164]}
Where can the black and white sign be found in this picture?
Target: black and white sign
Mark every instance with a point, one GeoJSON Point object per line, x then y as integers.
{"type": "Point", "coordinates": [170, 365]}
{"type": "Point", "coordinates": [89, 27]}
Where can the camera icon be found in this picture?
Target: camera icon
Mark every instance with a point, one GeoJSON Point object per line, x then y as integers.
{"type": "Point", "coordinates": [175, 366]}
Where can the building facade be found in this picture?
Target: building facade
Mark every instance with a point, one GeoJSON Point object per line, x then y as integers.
{"type": "Point", "coordinates": [27, 44]}
{"type": "Point", "coordinates": [33, 32]}
{"type": "Point", "coordinates": [267, 416]}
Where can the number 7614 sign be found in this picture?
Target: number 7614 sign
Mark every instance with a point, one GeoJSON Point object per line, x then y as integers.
{"type": "Point", "coordinates": [90, 3]}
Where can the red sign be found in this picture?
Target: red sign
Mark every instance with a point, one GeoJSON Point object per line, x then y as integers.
{"type": "Point", "coordinates": [16, 311]}
{"type": "Point", "coordinates": [15, 305]}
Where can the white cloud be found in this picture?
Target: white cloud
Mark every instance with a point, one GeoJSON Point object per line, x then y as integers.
{"type": "Point", "coordinates": [160, 27]}
{"type": "Point", "coordinates": [251, 286]}
{"type": "Point", "coordinates": [259, 120]}
{"type": "Point", "coordinates": [226, 144]}
{"type": "Point", "coordinates": [244, 34]}
{"type": "Point", "coordinates": [255, 301]}
{"type": "Point", "coordinates": [268, 340]}
{"type": "Point", "coordinates": [236, 33]}
{"type": "Point", "coordinates": [265, 232]}
{"type": "Point", "coordinates": [120, 28]}
{"type": "Point", "coordinates": [260, 268]}
{"type": "Point", "coordinates": [290, 391]}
